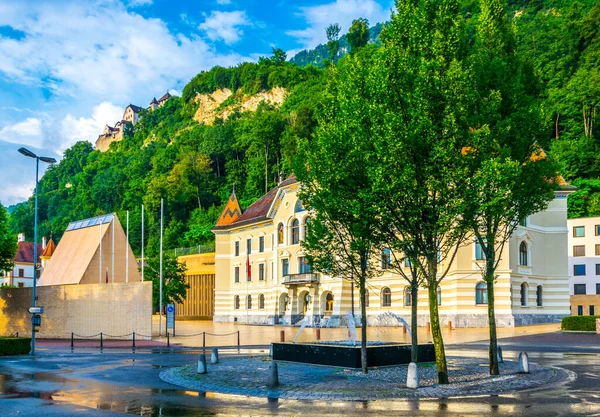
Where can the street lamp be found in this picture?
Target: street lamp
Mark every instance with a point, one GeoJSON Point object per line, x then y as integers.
{"type": "Point", "coordinates": [48, 160]}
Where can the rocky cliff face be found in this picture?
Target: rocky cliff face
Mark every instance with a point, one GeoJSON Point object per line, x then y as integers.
{"type": "Point", "coordinates": [213, 105]}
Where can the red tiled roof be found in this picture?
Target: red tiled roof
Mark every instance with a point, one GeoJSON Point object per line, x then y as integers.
{"type": "Point", "coordinates": [231, 212]}
{"type": "Point", "coordinates": [25, 252]}
{"type": "Point", "coordinates": [50, 248]}
{"type": "Point", "coordinates": [165, 97]}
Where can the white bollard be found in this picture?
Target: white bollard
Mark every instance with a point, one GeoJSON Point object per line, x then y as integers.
{"type": "Point", "coordinates": [523, 363]}
{"type": "Point", "coordinates": [273, 379]}
{"type": "Point", "coordinates": [214, 355]}
{"type": "Point", "coordinates": [500, 358]}
{"type": "Point", "coordinates": [412, 378]}
{"type": "Point", "coordinates": [202, 364]}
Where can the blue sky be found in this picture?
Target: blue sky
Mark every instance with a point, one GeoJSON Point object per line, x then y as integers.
{"type": "Point", "coordinates": [69, 67]}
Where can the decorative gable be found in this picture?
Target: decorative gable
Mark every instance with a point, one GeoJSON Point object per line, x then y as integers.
{"type": "Point", "coordinates": [231, 212]}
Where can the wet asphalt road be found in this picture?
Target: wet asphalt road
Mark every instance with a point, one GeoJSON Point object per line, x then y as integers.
{"type": "Point", "coordinates": [85, 382]}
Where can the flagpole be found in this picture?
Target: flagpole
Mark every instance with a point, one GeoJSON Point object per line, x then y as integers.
{"type": "Point", "coordinates": [142, 242]}
{"type": "Point", "coordinates": [247, 278]}
{"type": "Point", "coordinates": [127, 251]}
{"type": "Point", "coordinates": [161, 269]}
{"type": "Point", "coordinates": [100, 264]}
{"type": "Point", "coordinates": [112, 271]}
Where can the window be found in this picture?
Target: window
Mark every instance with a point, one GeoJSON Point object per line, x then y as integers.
{"type": "Point", "coordinates": [280, 234]}
{"type": "Point", "coordinates": [597, 269]}
{"type": "Point", "coordinates": [249, 302]}
{"type": "Point", "coordinates": [579, 231]}
{"type": "Point", "coordinates": [479, 254]}
{"type": "Point", "coordinates": [524, 294]}
{"type": "Point", "coordinates": [597, 288]}
{"type": "Point", "coordinates": [481, 295]}
{"type": "Point", "coordinates": [261, 272]}
{"type": "Point", "coordinates": [386, 258]}
{"type": "Point", "coordinates": [237, 248]}
{"type": "Point", "coordinates": [303, 265]}
{"type": "Point", "coordinates": [285, 267]}
{"type": "Point", "coordinates": [236, 274]}
{"type": "Point", "coordinates": [249, 246]}
{"type": "Point", "coordinates": [538, 296]}
{"type": "Point", "coordinates": [580, 310]}
{"type": "Point", "coordinates": [386, 297]}
{"type": "Point", "coordinates": [523, 254]}
{"type": "Point", "coordinates": [592, 311]}
{"type": "Point", "coordinates": [295, 232]}
{"type": "Point", "coordinates": [407, 263]}
{"type": "Point", "coordinates": [523, 222]}
{"type": "Point", "coordinates": [439, 296]}
{"type": "Point", "coordinates": [329, 302]}
{"type": "Point", "coordinates": [21, 273]}
{"type": "Point", "coordinates": [261, 244]}
{"type": "Point", "coordinates": [579, 289]}
{"type": "Point", "coordinates": [597, 229]}
{"type": "Point", "coordinates": [579, 250]}
{"type": "Point", "coordinates": [597, 250]}
{"type": "Point", "coordinates": [407, 297]}
{"type": "Point", "coordinates": [298, 207]}
{"type": "Point", "coordinates": [21, 284]}
{"type": "Point", "coordinates": [236, 302]}
{"type": "Point", "coordinates": [578, 270]}
{"type": "Point", "coordinates": [261, 302]}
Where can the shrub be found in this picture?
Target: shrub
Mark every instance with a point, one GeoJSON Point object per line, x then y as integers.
{"type": "Point", "coordinates": [14, 345]}
{"type": "Point", "coordinates": [581, 323]}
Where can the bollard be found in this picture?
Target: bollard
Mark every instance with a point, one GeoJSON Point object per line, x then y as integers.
{"type": "Point", "coordinates": [523, 363]}
{"type": "Point", "coordinates": [428, 326]}
{"type": "Point", "coordinates": [500, 358]}
{"type": "Point", "coordinates": [282, 336]}
{"type": "Point", "coordinates": [449, 325]}
{"type": "Point", "coordinates": [202, 364]}
{"type": "Point", "coordinates": [404, 329]}
{"type": "Point", "coordinates": [203, 340]}
{"type": "Point", "coordinates": [134, 340]}
{"type": "Point", "coordinates": [72, 340]}
{"type": "Point", "coordinates": [238, 339]}
{"type": "Point", "coordinates": [214, 355]}
{"type": "Point", "coordinates": [101, 341]}
{"type": "Point", "coordinates": [412, 378]}
{"type": "Point", "coordinates": [168, 340]}
{"type": "Point", "coordinates": [318, 334]}
{"type": "Point", "coordinates": [273, 379]}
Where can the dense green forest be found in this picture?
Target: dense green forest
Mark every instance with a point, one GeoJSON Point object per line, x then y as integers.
{"type": "Point", "coordinates": [194, 167]}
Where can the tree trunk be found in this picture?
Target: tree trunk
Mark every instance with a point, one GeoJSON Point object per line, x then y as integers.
{"type": "Point", "coordinates": [414, 292]}
{"type": "Point", "coordinates": [266, 169]}
{"type": "Point", "coordinates": [436, 333]}
{"type": "Point", "coordinates": [493, 351]}
{"type": "Point", "coordinates": [556, 125]}
{"type": "Point", "coordinates": [363, 319]}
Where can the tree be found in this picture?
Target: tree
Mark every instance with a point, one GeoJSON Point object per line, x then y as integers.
{"type": "Point", "coordinates": [342, 234]}
{"type": "Point", "coordinates": [8, 244]}
{"type": "Point", "coordinates": [333, 42]}
{"type": "Point", "coordinates": [174, 280]}
{"type": "Point", "coordinates": [419, 114]}
{"type": "Point", "coordinates": [358, 34]}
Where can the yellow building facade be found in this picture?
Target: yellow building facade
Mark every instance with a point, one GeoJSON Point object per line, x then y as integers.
{"type": "Point", "coordinates": [280, 288]}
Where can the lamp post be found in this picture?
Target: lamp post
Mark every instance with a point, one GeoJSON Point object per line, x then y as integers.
{"type": "Point", "coordinates": [48, 160]}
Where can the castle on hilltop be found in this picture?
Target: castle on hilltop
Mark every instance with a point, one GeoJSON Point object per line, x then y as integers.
{"type": "Point", "coordinates": [131, 115]}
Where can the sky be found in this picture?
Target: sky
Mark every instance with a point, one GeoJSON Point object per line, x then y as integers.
{"type": "Point", "coordinates": [68, 67]}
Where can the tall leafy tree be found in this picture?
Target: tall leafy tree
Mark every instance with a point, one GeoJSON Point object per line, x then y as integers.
{"type": "Point", "coordinates": [333, 41]}
{"type": "Point", "coordinates": [511, 176]}
{"type": "Point", "coordinates": [8, 244]}
{"type": "Point", "coordinates": [358, 34]}
{"type": "Point", "coordinates": [174, 284]}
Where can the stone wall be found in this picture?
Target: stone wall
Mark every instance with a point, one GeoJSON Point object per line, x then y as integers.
{"type": "Point", "coordinates": [86, 309]}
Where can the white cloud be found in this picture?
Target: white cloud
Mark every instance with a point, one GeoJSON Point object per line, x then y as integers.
{"type": "Point", "coordinates": [74, 129]}
{"type": "Point", "coordinates": [223, 1]}
{"type": "Point", "coordinates": [341, 12]}
{"type": "Point", "coordinates": [16, 193]}
{"type": "Point", "coordinates": [138, 3]}
{"type": "Point", "coordinates": [225, 26]}
{"type": "Point", "coordinates": [28, 133]}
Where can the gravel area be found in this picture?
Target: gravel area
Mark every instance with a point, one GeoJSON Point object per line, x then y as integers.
{"type": "Point", "coordinates": [468, 376]}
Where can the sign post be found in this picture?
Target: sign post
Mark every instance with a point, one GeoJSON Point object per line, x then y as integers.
{"type": "Point", "coordinates": [171, 318]}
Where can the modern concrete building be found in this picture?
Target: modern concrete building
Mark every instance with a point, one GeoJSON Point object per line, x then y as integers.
{"type": "Point", "coordinates": [584, 265]}
{"type": "Point", "coordinates": [263, 276]}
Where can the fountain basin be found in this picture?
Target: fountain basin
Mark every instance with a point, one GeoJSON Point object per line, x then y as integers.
{"type": "Point", "coordinates": [345, 355]}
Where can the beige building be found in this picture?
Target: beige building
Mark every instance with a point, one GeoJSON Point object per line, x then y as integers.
{"type": "Point", "coordinates": [532, 284]}
{"type": "Point", "coordinates": [584, 265]}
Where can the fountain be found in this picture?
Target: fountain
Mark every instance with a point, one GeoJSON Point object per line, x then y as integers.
{"type": "Point", "coordinates": [305, 321]}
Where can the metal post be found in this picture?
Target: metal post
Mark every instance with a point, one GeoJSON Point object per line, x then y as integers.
{"type": "Point", "coordinates": [204, 341]}
{"type": "Point", "coordinates": [35, 222]}
{"type": "Point", "coordinates": [112, 272]}
{"type": "Point", "coordinates": [134, 340]}
{"type": "Point", "coordinates": [127, 251]}
{"type": "Point", "coordinates": [142, 242]}
{"type": "Point", "coordinates": [101, 341]}
{"type": "Point", "coordinates": [100, 263]}
{"type": "Point", "coordinates": [168, 340]}
{"type": "Point", "coordinates": [238, 339]}
{"type": "Point", "coordinates": [161, 270]}
{"type": "Point", "coordinates": [72, 337]}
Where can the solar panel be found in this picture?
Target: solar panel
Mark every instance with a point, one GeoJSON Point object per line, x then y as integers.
{"type": "Point", "coordinates": [94, 221]}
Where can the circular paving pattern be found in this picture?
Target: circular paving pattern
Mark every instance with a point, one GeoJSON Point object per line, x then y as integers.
{"type": "Point", "coordinates": [468, 377]}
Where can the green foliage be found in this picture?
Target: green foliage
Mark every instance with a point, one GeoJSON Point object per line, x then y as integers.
{"type": "Point", "coordinates": [174, 285]}
{"type": "Point", "coordinates": [14, 346]}
{"type": "Point", "coordinates": [8, 243]}
{"type": "Point", "coordinates": [579, 323]}
{"type": "Point", "coordinates": [358, 34]}
{"type": "Point", "coordinates": [333, 42]}
{"type": "Point", "coordinates": [585, 202]}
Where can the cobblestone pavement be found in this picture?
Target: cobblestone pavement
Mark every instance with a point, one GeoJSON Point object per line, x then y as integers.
{"type": "Point", "coordinates": [248, 376]}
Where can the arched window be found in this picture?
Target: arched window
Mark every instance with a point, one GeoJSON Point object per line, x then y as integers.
{"type": "Point", "coordinates": [261, 301]}
{"type": "Point", "coordinates": [386, 297]}
{"type": "Point", "coordinates": [439, 296]}
{"type": "Point", "coordinates": [236, 302]}
{"type": "Point", "coordinates": [407, 297]}
{"type": "Point", "coordinates": [524, 294]}
{"type": "Point", "coordinates": [280, 234]}
{"type": "Point", "coordinates": [298, 207]}
{"type": "Point", "coordinates": [295, 232]}
{"type": "Point", "coordinates": [249, 302]}
{"type": "Point", "coordinates": [538, 296]}
{"type": "Point", "coordinates": [329, 302]}
{"type": "Point", "coordinates": [481, 294]}
{"type": "Point", "coordinates": [523, 254]}
{"type": "Point", "coordinates": [386, 258]}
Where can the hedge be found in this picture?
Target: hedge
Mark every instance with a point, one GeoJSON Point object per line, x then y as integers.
{"type": "Point", "coordinates": [14, 345]}
{"type": "Point", "coordinates": [580, 323]}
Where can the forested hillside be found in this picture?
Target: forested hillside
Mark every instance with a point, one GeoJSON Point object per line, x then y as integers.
{"type": "Point", "coordinates": [195, 166]}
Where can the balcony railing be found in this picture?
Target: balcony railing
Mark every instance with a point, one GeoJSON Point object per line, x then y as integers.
{"type": "Point", "coordinates": [301, 278]}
